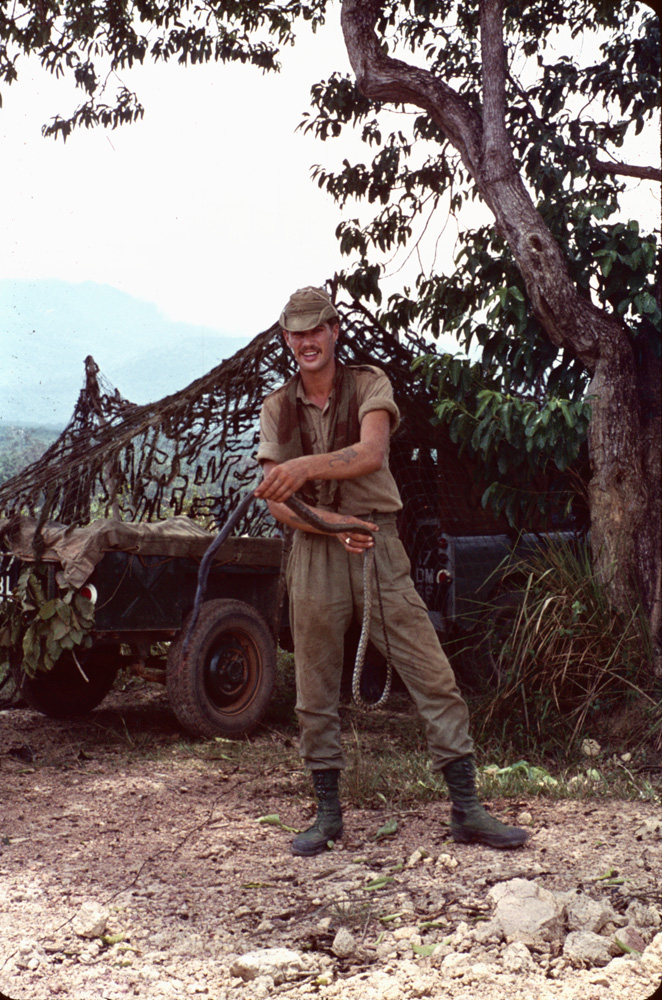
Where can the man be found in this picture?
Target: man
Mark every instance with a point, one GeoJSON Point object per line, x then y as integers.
{"type": "Point", "coordinates": [325, 436]}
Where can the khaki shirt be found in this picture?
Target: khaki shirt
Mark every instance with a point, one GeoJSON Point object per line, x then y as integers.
{"type": "Point", "coordinates": [375, 492]}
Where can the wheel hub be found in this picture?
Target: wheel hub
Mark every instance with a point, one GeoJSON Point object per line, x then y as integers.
{"type": "Point", "coordinates": [226, 672]}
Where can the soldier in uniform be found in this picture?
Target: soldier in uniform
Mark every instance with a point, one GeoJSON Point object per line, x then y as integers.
{"type": "Point", "coordinates": [325, 437]}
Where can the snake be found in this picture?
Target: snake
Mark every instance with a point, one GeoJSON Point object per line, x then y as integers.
{"type": "Point", "coordinates": [369, 572]}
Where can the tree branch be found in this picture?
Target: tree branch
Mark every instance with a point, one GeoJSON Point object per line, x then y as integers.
{"type": "Point", "coordinates": [625, 169]}
{"type": "Point", "coordinates": [613, 167]}
{"type": "Point", "coordinates": [570, 319]}
{"type": "Point", "coordinates": [497, 151]}
{"type": "Point", "coordinates": [382, 78]}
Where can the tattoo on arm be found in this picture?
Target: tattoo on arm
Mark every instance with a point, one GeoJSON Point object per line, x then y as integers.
{"type": "Point", "coordinates": [345, 456]}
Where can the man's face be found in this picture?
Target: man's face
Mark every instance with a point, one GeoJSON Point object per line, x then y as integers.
{"type": "Point", "coordinates": [313, 350]}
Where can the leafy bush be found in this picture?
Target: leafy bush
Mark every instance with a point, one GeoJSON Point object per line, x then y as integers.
{"type": "Point", "coordinates": [568, 664]}
{"type": "Point", "coordinates": [35, 629]}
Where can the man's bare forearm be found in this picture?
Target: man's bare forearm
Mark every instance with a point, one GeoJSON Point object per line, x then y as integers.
{"type": "Point", "coordinates": [283, 479]}
{"type": "Point", "coordinates": [348, 463]}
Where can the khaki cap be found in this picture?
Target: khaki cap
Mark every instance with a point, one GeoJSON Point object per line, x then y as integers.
{"type": "Point", "coordinates": [306, 309]}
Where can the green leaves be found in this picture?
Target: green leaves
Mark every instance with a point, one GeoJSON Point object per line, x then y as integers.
{"type": "Point", "coordinates": [514, 437]}
{"type": "Point", "coordinates": [628, 272]}
{"type": "Point", "coordinates": [92, 42]}
{"type": "Point", "coordinates": [273, 819]}
{"type": "Point", "coordinates": [338, 102]}
{"type": "Point", "coordinates": [381, 882]}
{"type": "Point", "coordinates": [424, 950]}
{"type": "Point", "coordinates": [389, 829]}
{"type": "Point", "coordinates": [48, 609]}
{"type": "Point", "coordinates": [483, 301]}
{"type": "Point", "coordinates": [38, 630]}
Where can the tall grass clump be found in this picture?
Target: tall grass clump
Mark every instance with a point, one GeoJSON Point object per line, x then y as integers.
{"type": "Point", "coordinates": [566, 663]}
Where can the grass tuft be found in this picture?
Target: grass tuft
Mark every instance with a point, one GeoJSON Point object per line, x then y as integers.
{"type": "Point", "coordinates": [568, 666]}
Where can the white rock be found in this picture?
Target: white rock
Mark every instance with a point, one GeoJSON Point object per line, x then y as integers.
{"type": "Point", "coordinates": [344, 943]}
{"type": "Point", "coordinates": [652, 957]}
{"type": "Point", "coordinates": [455, 965]}
{"type": "Point", "coordinates": [415, 858]}
{"type": "Point", "coordinates": [263, 986]}
{"type": "Point", "coordinates": [440, 952]}
{"type": "Point", "coordinates": [620, 968]}
{"type": "Point", "coordinates": [466, 967]}
{"type": "Point", "coordinates": [527, 912]}
{"type": "Point", "coordinates": [463, 936]}
{"type": "Point", "coordinates": [405, 933]}
{"type": "Point", "coordinates": [517, 958]}
{"type": "Point", "coordinates": [640, 915]}
{"type": "Point", "coordinates": [386, 951]}
{"type": "Point", "coordinates": [487, 930]}
{"type": "Point", "coordinates": [91, 920]}
{"type": "Point", "coordinates": [481, 972]}
{"type": "Point", "coordinates": [422, 986]}
{"type": "Point", "coordinates": [447, 861]}
{"type": "Point", "coordinates": [586, 914]}
{"type": "Point", "coordinates": [583, 949]}
{"type": "Point", "coordinates": [275, 962]}
{"type": "Point", "coordinates": [384, 987]}
{"type": "Point", "coordinates": [29, 954]}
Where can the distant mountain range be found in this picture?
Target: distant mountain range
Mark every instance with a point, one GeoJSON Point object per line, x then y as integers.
{"type": "Point", "coordinates": [47, 329]}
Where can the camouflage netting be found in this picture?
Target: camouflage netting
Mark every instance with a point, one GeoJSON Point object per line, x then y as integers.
{"type": "Point", "coordinates": [193, 452]}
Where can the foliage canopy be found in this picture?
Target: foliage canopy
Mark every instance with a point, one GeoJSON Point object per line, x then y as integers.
{"type": "Point", "coordinates": [582, 79]}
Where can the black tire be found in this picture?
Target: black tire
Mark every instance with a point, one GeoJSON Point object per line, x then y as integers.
{"type": "Point", "coordinates": [63, 690]}
{"type": "Point", "coordinates": [224, 685]}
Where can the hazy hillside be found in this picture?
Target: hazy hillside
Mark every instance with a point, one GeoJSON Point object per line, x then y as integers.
{"type": "Point", "coordinates": [48, 327]}
{"type": "Point", "coordinates": [19, 446]}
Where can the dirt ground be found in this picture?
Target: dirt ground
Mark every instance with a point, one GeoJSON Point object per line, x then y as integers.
{"type": "Point", "coordinates": [163, 833]}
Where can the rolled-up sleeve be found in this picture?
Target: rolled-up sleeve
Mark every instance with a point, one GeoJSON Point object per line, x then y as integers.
{"type": "Point", "coordinates": [269, 450]}
{"type": "Point", "coordinates": [375, 393]}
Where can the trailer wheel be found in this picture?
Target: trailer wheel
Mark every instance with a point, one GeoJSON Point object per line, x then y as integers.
{"type": "Point", "coordinates": [63, 690]}
{"type": "Point", "coordinates": [223, 686]}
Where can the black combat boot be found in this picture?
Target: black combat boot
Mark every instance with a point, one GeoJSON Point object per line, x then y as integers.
{"type": "Point", "coordinates": [328, 825]}
{"type": "Point", "coordinates": [470, 823]}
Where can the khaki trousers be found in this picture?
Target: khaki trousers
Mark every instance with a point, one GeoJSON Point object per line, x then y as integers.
{"type": "Point", "coordinates": [325, 585]}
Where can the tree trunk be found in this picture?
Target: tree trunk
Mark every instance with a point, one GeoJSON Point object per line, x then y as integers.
{"type": "Point", "coordinates": [624, 435]}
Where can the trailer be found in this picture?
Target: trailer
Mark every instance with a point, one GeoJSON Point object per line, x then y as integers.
{"type": "Point", "coordinates": [142, 587]}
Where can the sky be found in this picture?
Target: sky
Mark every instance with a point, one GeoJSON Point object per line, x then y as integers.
{"type": "Point", "coordinates": [205, 209]}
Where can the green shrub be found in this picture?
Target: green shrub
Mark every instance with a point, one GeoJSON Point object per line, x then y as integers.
{"type": "Point", "coordinates": [567, 664]}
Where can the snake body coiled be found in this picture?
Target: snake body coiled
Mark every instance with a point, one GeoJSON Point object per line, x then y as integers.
{"type": "Point", "coordinates": [369, 573]}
